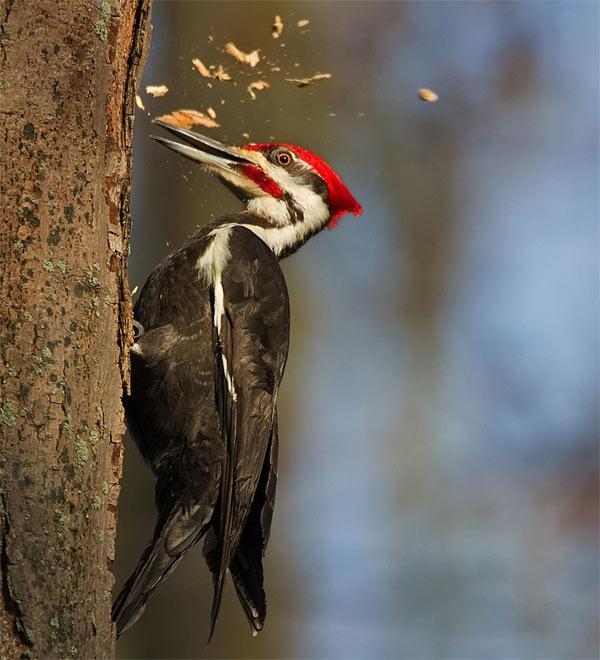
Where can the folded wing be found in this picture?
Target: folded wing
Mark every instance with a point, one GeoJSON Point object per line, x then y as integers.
{"type": "Point", "coordinates": [251, 335]}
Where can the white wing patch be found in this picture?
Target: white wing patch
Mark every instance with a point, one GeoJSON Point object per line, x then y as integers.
{"type": "Point", "coordinates": [211, 265]}
{"type": "Point", "coordinates": [214, 260]}
{"type": "Point", "coordinates": [228, 378]}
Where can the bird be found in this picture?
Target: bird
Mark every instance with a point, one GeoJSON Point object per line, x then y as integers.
{"type": "Point", "coordinates": [209, 350]}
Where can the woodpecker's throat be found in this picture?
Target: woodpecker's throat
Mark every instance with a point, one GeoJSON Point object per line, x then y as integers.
{"type": "Point", "coordinates": [295, 224]}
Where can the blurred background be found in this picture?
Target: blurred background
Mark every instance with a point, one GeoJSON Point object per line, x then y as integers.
{"type": "Point", "coordinates": [438, 481]}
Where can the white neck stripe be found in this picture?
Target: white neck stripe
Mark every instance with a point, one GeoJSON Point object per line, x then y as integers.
{"type": "Point", "coordinates": [283, 234]}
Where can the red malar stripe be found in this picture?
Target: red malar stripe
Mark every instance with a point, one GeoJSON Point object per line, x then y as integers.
{"type": "Point", "coordinates": [264, 182]}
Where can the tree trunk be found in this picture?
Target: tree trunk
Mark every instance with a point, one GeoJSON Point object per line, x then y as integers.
{"type": "Point", "coordinates": [67, 76]}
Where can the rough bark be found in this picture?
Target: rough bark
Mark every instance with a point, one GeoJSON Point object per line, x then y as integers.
{"type": "Point", "coordinates": [67, 76]}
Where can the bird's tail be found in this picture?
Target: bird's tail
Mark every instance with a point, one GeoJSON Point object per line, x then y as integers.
{"type": "Point", "coordinates": [247, 573]}
{"type": "Point", "coordinates": [245, 567]}
{"type": "Point", "coordinates": [246, 570]}
{"type": "Point", "coordinates": [174, 535]}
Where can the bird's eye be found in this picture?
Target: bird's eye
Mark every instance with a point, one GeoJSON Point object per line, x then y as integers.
{"type": "Point", "coordinates": [283, 158]}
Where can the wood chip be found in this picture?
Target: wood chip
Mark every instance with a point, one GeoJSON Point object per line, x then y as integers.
{"type": "Point", "coordinates": [246, 135]}
{"type": "Point", "coordinates": [211, 113]}
{"type": "Point", "coordinates": [277, 27]}
{"type": "Point", "coordinates": [428, 95]}
{"type": "Point", "coordinates": [211, 71]}
{"type": "Point", "coordinates": [200, 68]}
{"type": "Point", "coordinates": [157, 90]}
{"type": "Point", "coordinates": [252, 58]}
{"type": "Point", "coordinates": [188, 118]}
{"type": "Point", "coordinates": [221, 74]}
{"type": "Point", "coordinates": [275, 69]}
{"type": "Point", "coordinates": [258, 85]}
{"type": "Point", "coordinates": [139, 102]}
{"type": "Point", "coordinates": [303, 82]}
{"type": "Point", "coordinates": [303, 23]}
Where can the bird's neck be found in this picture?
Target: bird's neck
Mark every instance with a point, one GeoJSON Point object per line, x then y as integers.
{"type": "Point", "coordinates": [285, 224]}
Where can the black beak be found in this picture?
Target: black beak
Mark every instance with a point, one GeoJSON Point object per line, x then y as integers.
{"type": "Point", "coordinates": [199, 148]}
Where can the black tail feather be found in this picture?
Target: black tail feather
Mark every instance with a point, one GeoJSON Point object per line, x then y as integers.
{"type": "Point", "coordinates": [175, 534]}
{"type": "Point", "coordinates": [246, 567]}
{"type": "Point", "coordinates": [245, 563]}
{"type": "Point", "coordinates": [247, 574]}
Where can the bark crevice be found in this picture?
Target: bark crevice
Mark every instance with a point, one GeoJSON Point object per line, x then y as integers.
{"type": "Point", "coordinates": [13, 613]}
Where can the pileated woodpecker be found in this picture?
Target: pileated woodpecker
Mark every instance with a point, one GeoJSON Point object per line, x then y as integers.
{"type": "Point", "coordinates": [211, 347]}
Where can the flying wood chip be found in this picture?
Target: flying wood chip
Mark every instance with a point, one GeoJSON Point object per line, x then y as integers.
{"type": "Point", "coordinates": [252, 58]}
{"type": "Point", "coordinates": [277, 27]}
{"type": "Point", "coordinates": [221, 74]}
{"type": "Point", "coordinates": [188, 118]}
{"type": "Point", "coordinates": [200, 68]}
{"type": "Point", "coordinates": [139, 102]}
{"type": "Point", "coordinates": [303, 23]}
{"type": "Point", "coordinates": [303, 82]}
{"type": "Point", "coordinates": [258, 85]}
{"type": "Point", "coordinates": [211, 113]}
{"type": "Point", "coordinates": [428, 95]}
{"type": "Point", "coordinates": [157, 90]}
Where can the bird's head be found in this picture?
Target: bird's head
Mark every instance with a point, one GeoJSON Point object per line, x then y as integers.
{"type": "Point", "coordinates": [289, 188]}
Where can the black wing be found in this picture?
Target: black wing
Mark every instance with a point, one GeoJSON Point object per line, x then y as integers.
{"type": "Point", "coordinates": [171, 413]}
{"type": "Point", "coordinates": [251, 335]}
